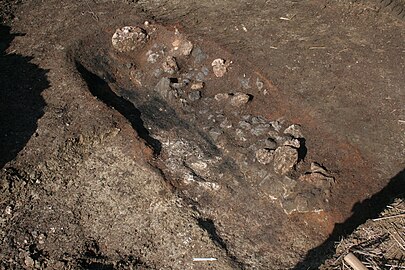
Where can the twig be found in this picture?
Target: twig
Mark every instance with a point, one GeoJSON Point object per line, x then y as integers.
{"type": "Point", "coordinates": [388, 217]}
{"type": "Point", "coordinates": [354, 262]}
{"type": "Point", "coordinates": [204, 259]}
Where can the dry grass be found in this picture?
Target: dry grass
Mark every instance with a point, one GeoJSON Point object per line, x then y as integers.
{"type": "Point", "coordinates": [379, 243]}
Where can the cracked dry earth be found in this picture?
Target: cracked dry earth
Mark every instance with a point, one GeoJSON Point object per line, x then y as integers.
{"type": "Point", "coordinates": [154, 147]}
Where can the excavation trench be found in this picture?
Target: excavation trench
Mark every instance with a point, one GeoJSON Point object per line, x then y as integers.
{"type": "Point", "coordinates": [247, 175]}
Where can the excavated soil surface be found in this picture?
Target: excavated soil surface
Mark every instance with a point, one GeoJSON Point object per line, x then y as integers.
{"type": "Point", "coordinates": [254, 134]}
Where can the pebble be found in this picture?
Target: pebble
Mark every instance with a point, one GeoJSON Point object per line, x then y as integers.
{"type": "Point", "coordinates": [197, 86]}
{"type": "Point", "coordinates": [128, 38]}
{"type": "Point", "coordinates": [258, 120]}
{"type": "Point", "coordinates": [157, 72]}
{"type": "Point", "coordinates": [177, 85]}
{"type": "Point", "coordinates": [260, 129]}
{"type": "Point", "coordinates": [170, 65]}
{"type": "Point", "coordinates": [245, 125]}
{"type": "Point", "coordinates": [293, 143]}
{"type": "Point", "coordinates": [205, 70]}
{"type": "Point", "coordinates": [199, 55]}
{"type": "Point", "coordinates": [215, 133]}
{"type": "Point", "coordinates": [200, 76]}
{"type": "Point", "coordinates": [240, 135]}
{"type": "Point", "coordinates": [226, 123]}
{"type": "Point", "coordinates": [184, 47]}
{"type": "Point", "coordinates": [285, 158]}
{"type": "Point", "coordinates": [264, 156]}
{"type": "Point", "coordinates": [239, 99]}
{"type": "Point", "coordinates": [152, 57]}
{"type": "Point", "coordinates": [221, 97]}
{"type": "Point", "coordinates": [315, 167]}
{"type": "Point", "coordinates": [276, 125]}
{"type": "Point", "coordinates": [245, 83]}
{"type": "Point", "coordinates": [295, 131]}
{"type": "Point", "coordinates": [219, 67]}
{"type": "Point", "coordinates": [29, 262]}
{"type": "Point", "coordinates": [164, 89]}
{"type": "Point", "coordinates": [195, 95]}
{"type": "Point", "coordinates": [270, 143]}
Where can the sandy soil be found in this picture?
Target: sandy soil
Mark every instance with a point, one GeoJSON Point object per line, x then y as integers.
{"type": "Point", "coordinates": [91, 178]}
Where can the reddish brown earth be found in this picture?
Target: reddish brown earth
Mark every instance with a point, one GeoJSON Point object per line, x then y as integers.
{"type": "Point", "coordinates": [82, 186]}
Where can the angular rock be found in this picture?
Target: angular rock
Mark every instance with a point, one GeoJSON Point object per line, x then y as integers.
{"type": "Point", "coordinates": [293, 143]}
{"type": "Point", "coordinates": [270, 143]}
{"type": "Point", "coordinates": [152, 57]}
{"type": "Point", "coordinates": [240, 135]}
{"type": "Point", "coordinates": [285, 159]}
{"type": "Point", "coordinates": [164, 89]}
{"type": "Point", "coordinates": [295, 131]}
{"type": "Point", "coordinates": [260, 129]}
{"type": "Point", "coordinates": [129, 38]}
{"type": "Point", "coordinates": [194, 96]}
{"type": "Point", "coordinates": [170, 65]}
{"type": "Point", "coordinates": [258, 120]}
{"type": "Point", "coordinates": [183, 47]}
{"type": "Point", "coordinates": [239, 99]}
{"type": "Point", "coordinates": [264, 156]}
{"type": "Point", "coordinates": [215, 133]}
{"type": "Point", "coordinates": [226, 124]}
{"type": "Point", "coordinates": [199, 55]}
{"type": "Point", "coordinates": [197, 86]}
{"type": "Point", "coordinates": [318, 180]}
{"type": "Point", "coordinates": [245, 125]}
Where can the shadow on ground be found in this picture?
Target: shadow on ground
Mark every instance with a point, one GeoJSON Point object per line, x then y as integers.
{"type": "Point", "coordinates": [362, 211]}
{"type": "Point", "coordinates": [21, 103]}
{"type": "Point", "coordinates": [100, 89]}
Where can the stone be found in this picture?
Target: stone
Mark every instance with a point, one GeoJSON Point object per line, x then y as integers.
{"type": "Point", "coordinates": [272, 187]}
{"type": "Point", "coordinates": [194, 96]}
{"type": "Point", "coordinates": [170, 65]}
{"type": "Point", "coordinates": [199, 55]}
{"type": "Point", "coordinates": [318, 180]}
{"type": "Point", "coordinates": [205, 71]}
{"type": "Point", "coordinates": [129, 38]}
{"type": "Point", "coordinates": [315, 167]}
{"type": "Point", "coordinates": [240, 135]}
{"type": "Point", "coordinates": [197, 86]}
{"type": "Point", "coordinates": [226, 124]}
{"type": "Point", "coordinates": [239, 99]}
{"type": "Point", "coordinates": [285, 159]}
{"type": "Point", "coordinates": [157, 72]}
{"type": "Point", "coordinates": [215, 133]}
{"type": "Point", "coordinates": [136, 76]}
{"type": "Point", "coordinates": [258, 120]}
{"type": "Point", "coordinates": [221, 97]}
{"type": "Point", "coordinates": [277, 125]}
{"type": "Point", "coordinates": [152, 57]}
{"type": "Point", "coordinates": [219, 67]}
{"type": "Point", "coordinates": [245, 83]}
{"type": "Point", "coordinates": [295, 131]}
{"type": "Point", "coordinates": [245, 125]}
{"type": "Point", "coordinates": [293, 143]}
{"type": "Point", "coordinates": [270, 143]}
{"type": "Point", "coordinates": [264, 156]}
{"type": "Point", "coordinates": [29, 262]}
{"type": "Point", "coordinates": [183, 47]}
{"type": "Point", "coordinates": [164, 89]}
{"type": "Point", "coordinates": [260, 129]}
